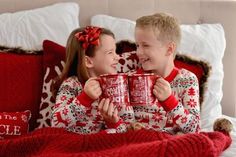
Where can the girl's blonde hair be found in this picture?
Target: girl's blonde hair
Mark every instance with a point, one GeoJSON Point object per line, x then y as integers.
{"type": "Point", "coordinates": [75, 58]}
{"type": "Point", "coordinates": [165, 26]}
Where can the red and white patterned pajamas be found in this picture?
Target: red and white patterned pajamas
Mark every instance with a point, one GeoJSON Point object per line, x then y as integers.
{"type": "Point", "coordinates": [76, 112]}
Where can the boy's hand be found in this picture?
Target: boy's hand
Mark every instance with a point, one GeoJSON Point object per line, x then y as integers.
{"type": "Point", "coordinates": [92, 88]}
{"type": "Point", "coordinates": [162, 89]}
{"type": "Point", "coordinates": [108, 111]}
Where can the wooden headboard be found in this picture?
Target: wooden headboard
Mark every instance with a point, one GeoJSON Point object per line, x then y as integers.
{"type": "Point", "coordinates": [188, 11]}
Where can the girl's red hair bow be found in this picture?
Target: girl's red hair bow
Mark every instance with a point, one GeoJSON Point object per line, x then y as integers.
{"type": "Point", "coordinates": [89, 36]}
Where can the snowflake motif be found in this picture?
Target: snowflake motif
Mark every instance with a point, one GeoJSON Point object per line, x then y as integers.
{"type": "Point", "coordinates": [184, 120]}
{"type": "Point", "coordinates": [192, 103]}
{"type": "Point", "coordinates": [65, 111]}
{"type": "Point", "coordinates": [24, 118]}
{"type": "Point", "coordinates": [158, 117]}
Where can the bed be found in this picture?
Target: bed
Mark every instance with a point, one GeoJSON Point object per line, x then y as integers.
{"type": "Point", "coordinates": [207, 35]}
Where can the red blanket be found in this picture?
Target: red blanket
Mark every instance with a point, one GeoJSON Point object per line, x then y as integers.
{"type": "Point", "coordinates": [57, 142]}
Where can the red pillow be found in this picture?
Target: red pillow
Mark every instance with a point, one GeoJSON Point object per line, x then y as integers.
{"type": "Point", "coordinates": [128, 62]}
{"type": "Point", "coordinates": [128, 58]}
{"type": "Point", "coordinates": [20, 83]}
{"type": "Point", "coordinates": [14, 124]}
{"type": "Point", "coordinates": [125, 46]}
{"type": "Point", "coordinates": [53, 62]}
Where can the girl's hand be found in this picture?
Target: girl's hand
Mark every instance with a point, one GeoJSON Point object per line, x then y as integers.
{"type": "Point", "coordinates": [92, 88]}
{"type": "Point", "coordinates": [108, 111]}
{"type": "Point", "coordinates": [162, 89]}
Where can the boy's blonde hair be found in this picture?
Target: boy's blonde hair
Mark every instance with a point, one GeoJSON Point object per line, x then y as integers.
{"type": "Point", "coordinates": [165, 26]}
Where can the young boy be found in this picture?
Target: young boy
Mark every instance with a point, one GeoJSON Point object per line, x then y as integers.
{"type": "Point", "coordinates": [157, 37]}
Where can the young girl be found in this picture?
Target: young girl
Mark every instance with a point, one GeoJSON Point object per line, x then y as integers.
{"type": "Point", "coordinates": [157, 37]}
{"type": "Point", "coordinates": [90, 52]}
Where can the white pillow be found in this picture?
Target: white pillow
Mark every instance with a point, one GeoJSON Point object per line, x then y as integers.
{"type": "Point", "coordinates": [123, 28]}
{"type": "Point", "coordinates": [28, 29]}
{"type": "Point", "coordinates": [205, 41]}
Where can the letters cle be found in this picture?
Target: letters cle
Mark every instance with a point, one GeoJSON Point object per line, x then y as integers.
{"type": "Point", "coordinates": [6, 129]}
{"type": "Point", "coordinates": [9, 130]}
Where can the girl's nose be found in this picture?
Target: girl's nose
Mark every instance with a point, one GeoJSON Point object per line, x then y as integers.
{"type": "Point", "coordinates": [116, 57]}
{"type": "Point", "coordinates": [139, 51]}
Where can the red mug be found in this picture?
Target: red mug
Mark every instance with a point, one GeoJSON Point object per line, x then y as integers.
{"type": "Point", "coordinates": [141, 89]}
{"type": "Point", "coordinates": [115, 87]}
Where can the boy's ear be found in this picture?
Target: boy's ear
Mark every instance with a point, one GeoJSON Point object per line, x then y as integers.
{"type": "Point", "coordinates": [88, 62]}
{"type": "Point", "coordinates": [171, 47]}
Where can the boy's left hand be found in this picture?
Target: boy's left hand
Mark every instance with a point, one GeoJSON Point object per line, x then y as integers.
{"type": "Point", "coordinates": [162, 89]}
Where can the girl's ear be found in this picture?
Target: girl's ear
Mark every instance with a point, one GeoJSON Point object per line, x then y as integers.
{"type": "Point", "coordinates": [88, 62]}
{"type": "Point", "coordinates": [171, 47]}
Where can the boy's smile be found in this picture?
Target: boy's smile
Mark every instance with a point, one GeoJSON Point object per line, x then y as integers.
{"type": "Point", "coordinates": [154, 54]}
{"type": "Point", "coordinates": [151, 52]}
